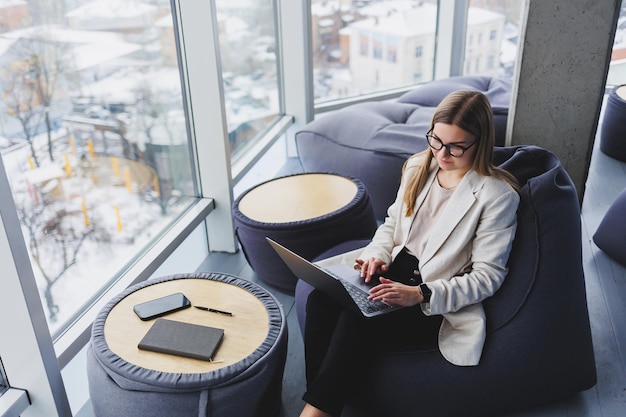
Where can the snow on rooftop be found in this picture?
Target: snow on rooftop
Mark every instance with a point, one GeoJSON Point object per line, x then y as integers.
{"type": "Point", "coordinates": [238, 5]}
{"type": "Point", "coordinates": [112, 9]}
{"type": "Point", "coordinates": [401, 19]}
{"type": "Point", "coordinates": [476, 16]}
{"type": "Point", "coordinates": [386, 8]}
{"type": "Point", "coordinates": [326, 23]}
{"type": "Point", "coordinates": [508, 52]}
{"type": "Point", "coordinates": [62, 34]}
{"type": "Point", "coordinates": [235, 28]}
{"type": "Point", "coordinates": [165, 21]}
{"type": "Point", "coordinates": [5, 4]}
{"type": "Point", "coordinates": [324, 9]}
{"type": "Point", "coordinates": [123, 85]}
{"type": "Point", "coordinates": [5, 44]}
{"type": "Point", "coordinates": [90, 47]}
{"type": "Point", "coordinates": [410, 22]}
{"type": "Point", "coordinates": [94, 54]}
{"type": "Point", "coordinates": [43, 174]}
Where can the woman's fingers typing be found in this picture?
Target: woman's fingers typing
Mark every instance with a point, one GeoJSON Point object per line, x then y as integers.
{"type": "Point", "coordinates": [371, 267]}
{"type": "Point", "coordinates": [395, 293]}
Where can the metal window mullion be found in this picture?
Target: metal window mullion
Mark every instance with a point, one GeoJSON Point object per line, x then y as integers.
{"type": "Point", "coordinates": [296, 62]}
{"type": "Point", "coordinates": [13, 402]}
{"type": "Point", "coordinates": [28, 354]}
{"type": "Point", "coordinates": [451, 34]}
{"type": "Point", "coordinates": [202, 77]}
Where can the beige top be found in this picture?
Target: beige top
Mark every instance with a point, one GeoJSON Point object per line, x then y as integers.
{"type": "Point", "coordinates": [621, 92]}
{"type": "Point", "coordinates": [426, 216]}
{"type": "Point", "coordinates": [243, 332]}
{"type": "Point", "coordinates": [297, 198]}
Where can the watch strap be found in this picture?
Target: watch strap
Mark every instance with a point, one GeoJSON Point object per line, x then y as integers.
{"type": "Point", "coordinates": [426, 292]}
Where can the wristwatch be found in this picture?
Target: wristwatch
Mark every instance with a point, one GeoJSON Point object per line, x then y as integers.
{"type": "Point", "coordinates": [426, 292]}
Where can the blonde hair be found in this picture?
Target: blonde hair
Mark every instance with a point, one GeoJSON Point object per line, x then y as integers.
{"type": "Point", "coordinates": [471, 111]}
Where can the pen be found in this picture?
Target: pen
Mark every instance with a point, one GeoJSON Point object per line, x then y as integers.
{"type": "Point", "coordinates": [213, 310]}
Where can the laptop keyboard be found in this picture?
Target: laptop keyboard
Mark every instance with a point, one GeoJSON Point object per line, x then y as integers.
{"type": "Point", "coordinates": [360, 298]}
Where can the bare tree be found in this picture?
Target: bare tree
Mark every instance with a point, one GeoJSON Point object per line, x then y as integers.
{"type": "Point", "coordinates": [31, 81]}
{"type": "Point", "coordinates": [22, 101]}
{"type": "Point", "coordinates": [151, 113]}
{"type": "Point", "coordinates": [155, 121]}
{"type": "Point", "coordinates": [55, 239]}
{"type": "Point", "coordinates": [45, 72]}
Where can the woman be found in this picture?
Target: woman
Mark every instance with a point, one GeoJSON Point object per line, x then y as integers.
{"type": "Point", "coordinates": [441, 251]}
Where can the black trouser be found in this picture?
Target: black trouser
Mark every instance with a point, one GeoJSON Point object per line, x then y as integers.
{"type": "Point", "coordinates": [339, 343]}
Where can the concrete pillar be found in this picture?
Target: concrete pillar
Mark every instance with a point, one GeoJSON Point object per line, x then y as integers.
{"type": "Point", "coordinates": [565, 52]}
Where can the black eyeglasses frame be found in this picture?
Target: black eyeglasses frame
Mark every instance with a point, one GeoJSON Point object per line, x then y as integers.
{"type": "Point", "coordinates": [449, 146]}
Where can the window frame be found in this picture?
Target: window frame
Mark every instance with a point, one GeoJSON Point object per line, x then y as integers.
{"type": "Point", "coordinates": [13, 402]}
{"type": "Point", "coordinates": [27, 352]}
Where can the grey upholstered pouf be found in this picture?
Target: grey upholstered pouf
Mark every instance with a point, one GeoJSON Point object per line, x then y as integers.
{"type": "Point", "coordinates": [250, 387]}
{"type": "Point", "coordinates": [611, 233]}
{"type": "Point", "coordinates": [372, 140]}
{"type": "Point", "coordinates": [307, 213]}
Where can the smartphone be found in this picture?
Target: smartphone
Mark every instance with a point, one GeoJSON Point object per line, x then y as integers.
{"type": "Point", "coordinates": [161, 306]}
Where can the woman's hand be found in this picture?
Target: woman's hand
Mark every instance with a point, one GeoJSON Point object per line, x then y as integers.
{"type": "Point", "coordinates": [371, 267]}
{"type": "Point", "coordinates": [395, 293]}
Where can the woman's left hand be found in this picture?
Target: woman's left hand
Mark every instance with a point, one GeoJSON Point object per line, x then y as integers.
{"type": "Point", "coordinates": [396, 293]}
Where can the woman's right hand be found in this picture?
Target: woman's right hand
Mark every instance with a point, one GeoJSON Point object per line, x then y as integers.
{"type": "Point", "coordinates": [371, 266]}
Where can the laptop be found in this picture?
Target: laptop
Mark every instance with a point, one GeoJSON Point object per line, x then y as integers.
{"type": "Point", "coordinates": [340, 282]}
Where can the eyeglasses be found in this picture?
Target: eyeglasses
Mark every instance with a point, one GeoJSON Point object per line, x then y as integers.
{"type": "Point", "coordinates": [456, 151]}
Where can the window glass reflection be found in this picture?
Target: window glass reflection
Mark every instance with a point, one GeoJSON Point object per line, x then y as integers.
{"type": "Point", "coordinates": [360, 47]}
{"type": "Point", "coordinates": [248, 49]}
{"type": "Point", "coordinates": [4, 385]}
{"type": "Point", "coordinates": [93, 139]}
{"type": "Point", "coordinates": [493, 28]}
{"type": "Point", "coordinates": [617, 67]}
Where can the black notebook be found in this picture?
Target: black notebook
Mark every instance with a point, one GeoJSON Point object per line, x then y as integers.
{"type": "Point", "coordinates": [182, 339]}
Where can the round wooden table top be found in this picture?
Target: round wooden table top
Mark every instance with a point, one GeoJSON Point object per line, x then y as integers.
{"type": "Point", "coordinates": [297, 198]}
{"type": "Point", "coordinates": [244, 331]}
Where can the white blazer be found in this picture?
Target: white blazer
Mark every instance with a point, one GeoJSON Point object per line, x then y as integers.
{"type": "Point", "coordinates": [465, 260]}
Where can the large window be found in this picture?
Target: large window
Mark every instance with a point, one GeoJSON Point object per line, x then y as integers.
{"type": "Point", "coordinates": [388, 44]}
{"type": "Point", "coordinates": [93, 127]}
{"type": "Point", "coordinates": [373, 46]}
{"type": "Point", "coordinates": [94, 139]}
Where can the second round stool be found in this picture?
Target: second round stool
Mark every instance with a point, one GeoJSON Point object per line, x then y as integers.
{"type": "Point", "coordinates": [308, 213]}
